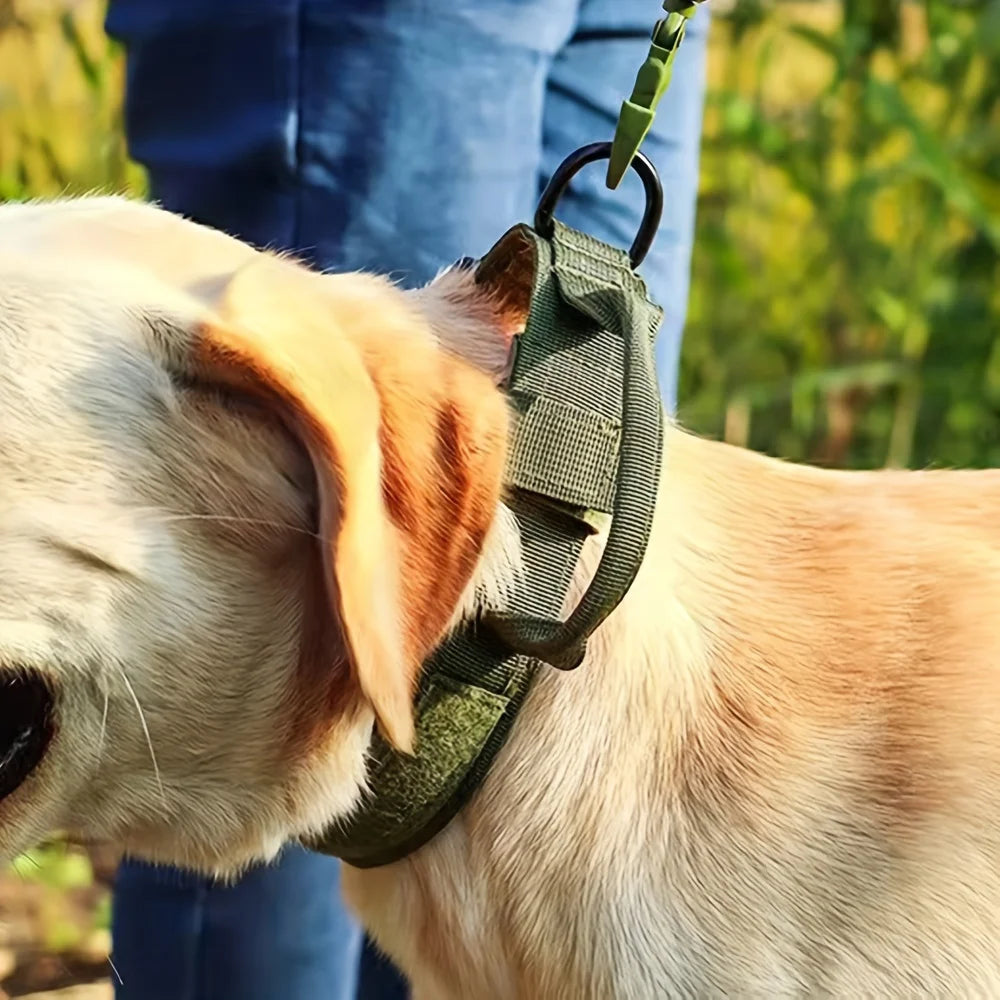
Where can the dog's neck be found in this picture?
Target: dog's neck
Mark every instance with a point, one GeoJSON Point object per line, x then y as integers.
{"type": "Point", "coordinates": [630, 664]}
{"type": "Point", "coordinates": [572, 733]}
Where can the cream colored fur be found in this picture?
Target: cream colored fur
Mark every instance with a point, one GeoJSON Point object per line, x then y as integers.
{"type": "Point", "coordinates": [776, 775]}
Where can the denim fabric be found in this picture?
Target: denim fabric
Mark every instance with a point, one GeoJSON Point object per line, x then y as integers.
{"type": "Point", "coordinates": [280, 933]}
{"type": "Point", "coordinates": [397, 136]}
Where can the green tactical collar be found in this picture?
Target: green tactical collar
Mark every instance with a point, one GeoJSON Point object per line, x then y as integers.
{"type": "Point", "coordinates": [585, 445]}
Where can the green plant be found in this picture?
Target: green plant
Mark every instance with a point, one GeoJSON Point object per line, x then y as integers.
{"type": "Point", "coordinates": [61, 129]}
{"type": "Point", "coordinates": [845, 305]}
{"type": "Point", "coordinates": [70, 909]}
{"type": "Point", "coordinates": [56, 866]}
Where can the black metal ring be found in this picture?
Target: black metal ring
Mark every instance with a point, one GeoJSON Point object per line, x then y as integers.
{"type": "Point", "coordinates": [573, 164]}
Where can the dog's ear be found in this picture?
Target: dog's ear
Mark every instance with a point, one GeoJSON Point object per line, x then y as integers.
{"type": "Point", "coordinates": [407, 444]}
{"type": "Point", "coordinates": [477, 311]}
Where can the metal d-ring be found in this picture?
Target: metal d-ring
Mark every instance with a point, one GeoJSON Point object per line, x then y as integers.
{"type": "Point", "coordinates": [573, 164]}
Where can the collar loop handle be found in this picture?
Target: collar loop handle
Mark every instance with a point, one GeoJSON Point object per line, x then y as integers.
{"type": "Point", "coordinates": [600, 283]}
{"type": "Point", "coordinates": [586, 409]}
{"type": "Point", "coordinates": [574, 163]}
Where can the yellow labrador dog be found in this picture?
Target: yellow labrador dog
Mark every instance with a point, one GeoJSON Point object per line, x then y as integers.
{"type": "Point", "coordinates": [230, 533]}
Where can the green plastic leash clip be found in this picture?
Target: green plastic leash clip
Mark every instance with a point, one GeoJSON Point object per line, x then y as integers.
{"type": "Point", "coordinates": [638, 112]}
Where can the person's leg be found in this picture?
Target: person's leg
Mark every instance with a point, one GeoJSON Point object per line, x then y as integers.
{"type": "Point", "coordinates": [419, 139]}
{"type": "Point", "coordinates": [210, 103]}
{"type": "Point", "coordinates": [280, 932]}
{"type": "Point", "coordinates": [376, 135]}
{"type": "Point", "coordinates": [211, 98]}
{"type": "Point", "coordinates": [593, 74]}
{"type": "Point", "coordinates": [392, 135]}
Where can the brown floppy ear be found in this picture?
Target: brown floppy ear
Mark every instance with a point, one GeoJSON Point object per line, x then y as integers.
{"type": "Point", "coordinates": [269, 345]}
{"type": "Point", "coordinates": [444, 448]}
{"type": "Point", "coordinates": [407, 442]}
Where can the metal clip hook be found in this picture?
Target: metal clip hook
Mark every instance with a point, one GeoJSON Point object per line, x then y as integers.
{"type": "Point", "coordinates": [574, 163]}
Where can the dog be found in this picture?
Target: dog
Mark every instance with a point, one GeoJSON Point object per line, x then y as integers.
{"type": "Point", "coordinates": [240, 503]}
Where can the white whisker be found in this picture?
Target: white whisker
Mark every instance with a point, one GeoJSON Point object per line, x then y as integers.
{"type": "Point", "coordinates": [24, 856]}
{"type": "Point", "coordinates": [145, 729]}
{"type": "Point", "coordinates": [226, 519]}
{"type": "Point", "coordinates": [104, 726]}
{"type": "Point", "coordinates": [118, 975]}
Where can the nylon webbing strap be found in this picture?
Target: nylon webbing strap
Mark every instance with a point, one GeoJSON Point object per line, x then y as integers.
{"type": "Point", "coordinates": [599, 364]}
{"type": "Point", "coordinates": [568, 446]}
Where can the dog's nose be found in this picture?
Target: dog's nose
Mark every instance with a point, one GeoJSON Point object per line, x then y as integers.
{"type": "Point", "coordinates": [27, 725]}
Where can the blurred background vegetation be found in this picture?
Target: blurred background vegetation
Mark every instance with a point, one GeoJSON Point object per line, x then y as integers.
{"type": "Point", "coordinates": [845, 274]}
{"type": "Point", "coordinates": [845, 298]}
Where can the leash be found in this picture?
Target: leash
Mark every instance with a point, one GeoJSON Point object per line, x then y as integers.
{"type": "Point", "coordinates": [585, 446]}
{"type": "Point", "coordinates": [639, 111]}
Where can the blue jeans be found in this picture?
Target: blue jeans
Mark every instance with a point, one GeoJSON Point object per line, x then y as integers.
{"type": "Point", "coordinates": [393, 135]}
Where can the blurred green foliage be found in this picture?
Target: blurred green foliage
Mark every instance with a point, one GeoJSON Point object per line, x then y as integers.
{"type": "Point", "coordinates": [846, 270]}
{"type": "Point", "coordinates": [67, 918]}
{"type": "Point", "coordinates": [61, 79]}
{"type": "Point", "coordinates": [56, 866]}
{"type": "Point", "coordinates": [846, 291]}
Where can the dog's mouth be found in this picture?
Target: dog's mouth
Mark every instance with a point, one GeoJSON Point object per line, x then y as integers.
{"type": "Point", "coordinates": [26, 727]}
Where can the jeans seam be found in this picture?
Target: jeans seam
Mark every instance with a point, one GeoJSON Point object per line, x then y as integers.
{"type": "Point", "coordinates": [199, 971]}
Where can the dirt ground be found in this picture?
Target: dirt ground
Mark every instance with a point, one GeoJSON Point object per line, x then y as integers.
{"type": "Point", "coordinates": [49, 947]}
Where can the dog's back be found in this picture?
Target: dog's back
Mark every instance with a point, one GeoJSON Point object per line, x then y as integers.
{"type": "Point", "coordinates": [776, 775]}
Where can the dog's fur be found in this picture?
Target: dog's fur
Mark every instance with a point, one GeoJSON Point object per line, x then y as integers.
{"type": "Point", "coordinates": [240, 501]}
